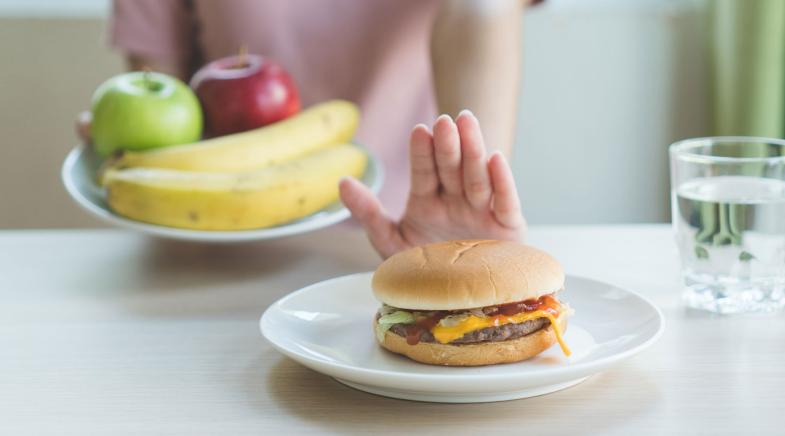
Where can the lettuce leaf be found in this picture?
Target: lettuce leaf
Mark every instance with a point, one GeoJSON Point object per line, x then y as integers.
{"type": "Point", "coordinates": [388, 320]}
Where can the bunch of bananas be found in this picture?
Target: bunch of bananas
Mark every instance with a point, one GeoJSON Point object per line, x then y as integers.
{"type": "Point", "coordinates": [254, 179]}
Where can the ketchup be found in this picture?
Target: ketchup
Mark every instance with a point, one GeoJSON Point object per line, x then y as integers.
{"type": "Point", "coordinates": [413, 334]}
{"type": "Point", "coordinates": [415, 331]}
{"type": "Point", "coordinates": [547, 303]}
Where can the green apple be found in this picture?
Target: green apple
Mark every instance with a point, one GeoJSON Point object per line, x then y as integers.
{"type": "Point", "coordinates": [142, 111]}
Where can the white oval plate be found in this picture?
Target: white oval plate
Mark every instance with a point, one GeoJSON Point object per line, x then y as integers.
{"type": "Point", "coordinates": [80, 167]}
{"type": "Point", "coordinates": [328, 328]}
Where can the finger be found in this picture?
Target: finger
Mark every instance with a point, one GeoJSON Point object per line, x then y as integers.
{"type": "Point", "coordinates": [506, 205]}
{"type": "Point", "coordinates": [425, 180]}
{"type": "Point", "coordinates": [83, 121]}
{"type": "Point", "coordinates": [366, 208]}
{"type": "Point", "coordinates": [476, 183]}
{"type": "Point", "coordinates": [447, 150]}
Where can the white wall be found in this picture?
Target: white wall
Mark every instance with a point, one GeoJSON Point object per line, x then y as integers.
{"type": "Point", "coordinates": [54, 8]}
{"type": "Point", "coordinates": [607, 86]}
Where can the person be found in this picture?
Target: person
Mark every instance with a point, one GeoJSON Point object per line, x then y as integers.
{"type": "Point", "coordinates": [401, 61]}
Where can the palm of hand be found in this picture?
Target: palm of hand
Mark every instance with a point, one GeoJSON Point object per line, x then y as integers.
{"type": "Point", "coordinates": [456, 192]}
{"type": "Point", "coordinates": [446, 217]}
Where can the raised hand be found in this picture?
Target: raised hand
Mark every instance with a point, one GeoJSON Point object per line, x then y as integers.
{"type": "Point", "coordinates": [457, 192]}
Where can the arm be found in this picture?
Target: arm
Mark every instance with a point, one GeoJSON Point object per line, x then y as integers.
{"type": "Point", "coordinates": [476, 54]}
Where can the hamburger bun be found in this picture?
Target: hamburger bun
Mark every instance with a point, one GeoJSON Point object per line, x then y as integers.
{"type": "Point", "coordinates": [457, 275]}
{"type": "Point", "coordinates": [484, 353]}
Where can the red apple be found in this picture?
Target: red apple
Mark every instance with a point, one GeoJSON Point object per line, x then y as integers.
{"type": "Point", "coordinates": [244, 92]}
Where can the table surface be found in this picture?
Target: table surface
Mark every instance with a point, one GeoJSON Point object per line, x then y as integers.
{"type": "Point", "coordinates": [108, 332]}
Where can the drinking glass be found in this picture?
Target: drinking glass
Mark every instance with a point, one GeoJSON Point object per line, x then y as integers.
{"type": "Point", "coordinates": [728, 206]}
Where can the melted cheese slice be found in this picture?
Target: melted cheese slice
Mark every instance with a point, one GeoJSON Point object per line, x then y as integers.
{"type": "Point", "coordinates": [448, 334]}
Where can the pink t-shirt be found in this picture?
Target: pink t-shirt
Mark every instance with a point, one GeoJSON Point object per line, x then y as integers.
{"type": "Point", "coordinates": [372, 52]}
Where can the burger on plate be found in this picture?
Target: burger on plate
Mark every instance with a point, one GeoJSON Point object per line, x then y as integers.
{"type": "Point", "coordinates": [469, 303]}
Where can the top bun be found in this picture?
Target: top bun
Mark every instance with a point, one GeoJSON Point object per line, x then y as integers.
{"type": "Point", "coordinates": [457, 275]}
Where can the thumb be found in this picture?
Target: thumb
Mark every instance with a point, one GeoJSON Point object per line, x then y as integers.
{"type": "Point", "coordinates": [366, 208]}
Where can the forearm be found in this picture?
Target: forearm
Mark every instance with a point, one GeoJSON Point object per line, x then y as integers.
{"type": "Point", "coordinates": [476, 54]}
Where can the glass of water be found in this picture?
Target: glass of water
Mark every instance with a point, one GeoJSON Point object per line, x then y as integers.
{"type": "Point", "coordinates": [728, 204]}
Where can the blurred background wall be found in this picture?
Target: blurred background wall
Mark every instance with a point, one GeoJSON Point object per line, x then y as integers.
{"type": "Point", "coordinates": [607, 85]}
{"type": "Point", "coordinates": [54, 55]}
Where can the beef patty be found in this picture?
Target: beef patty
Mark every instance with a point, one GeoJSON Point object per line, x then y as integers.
{"type": "Point", "coordinates": [488, 334]}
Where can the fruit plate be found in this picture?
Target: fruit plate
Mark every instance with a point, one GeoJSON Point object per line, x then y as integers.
{"type": "Point", "coordinates": [328, 327]}
{"type": "Point", "coordinates": [81, 165]}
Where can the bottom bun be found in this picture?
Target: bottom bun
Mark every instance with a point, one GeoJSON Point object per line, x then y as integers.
{"type": "Point", "coordinates": [484, 353]}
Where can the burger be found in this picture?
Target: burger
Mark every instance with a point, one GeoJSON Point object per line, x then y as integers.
{"type": "Point", "coordinates": [470, 303]}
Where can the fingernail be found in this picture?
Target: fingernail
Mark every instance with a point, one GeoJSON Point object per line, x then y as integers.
{"type": "Point", "coordinates": [500, 154]}
{"type": "Point", "coordinates": [466, 113]}
{"type": "Point", "coordinates": [444, 117]}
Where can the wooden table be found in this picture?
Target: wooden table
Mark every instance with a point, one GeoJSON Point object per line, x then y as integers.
{"type": "Point", "coordinates": [108, 332]}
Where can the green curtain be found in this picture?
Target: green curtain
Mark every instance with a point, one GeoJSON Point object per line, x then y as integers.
{"type": "Point", "coordinates": [748, 91]}
{"type": "Point", "coordinates": [748, 64]}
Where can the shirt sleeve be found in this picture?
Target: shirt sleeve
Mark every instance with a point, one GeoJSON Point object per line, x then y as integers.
{"type": "Point", "coordinates": [159, 29]}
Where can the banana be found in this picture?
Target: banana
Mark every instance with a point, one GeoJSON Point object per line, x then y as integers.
{"type": "Point", "coordinates": [233, 201]}
{"type": "Point", "coordinates": [317, 127]}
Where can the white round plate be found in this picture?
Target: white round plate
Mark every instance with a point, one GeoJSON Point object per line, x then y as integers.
{"type": "Point", "coordinates": [328, 328]}
{"type": "Point", "coordinates": [81, 165]}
